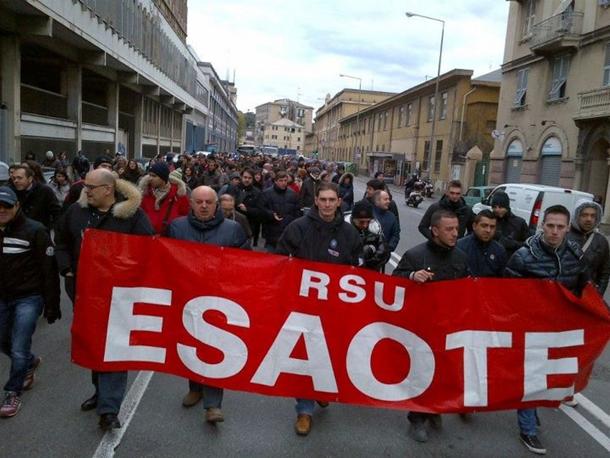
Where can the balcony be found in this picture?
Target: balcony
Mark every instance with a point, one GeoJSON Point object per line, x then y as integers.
{"type": "Point", "coordinates": [593, 104]}
{"type": "Point", "coordinates": [557, 34]}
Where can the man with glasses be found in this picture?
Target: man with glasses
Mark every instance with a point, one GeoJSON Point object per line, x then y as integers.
{"type": "Point", "coordinates": [113, 205]}
{"type": "Point", "coordinates": [511, 230]}
{"type": "Point", "coordinates": [29, 286]}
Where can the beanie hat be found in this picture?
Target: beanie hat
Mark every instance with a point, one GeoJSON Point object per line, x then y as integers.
{"type": "Point", "coordinates": [161, 170]}
{"type": "Point", "coordinates": [101, 160]}
{"type": "Point", "coordinates": [362, 209]}
{"type": "Point", "coordinates": [500, 199]}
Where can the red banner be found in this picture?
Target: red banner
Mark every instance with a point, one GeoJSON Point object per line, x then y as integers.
{"type": "Point", "coordinates": [282, 326]}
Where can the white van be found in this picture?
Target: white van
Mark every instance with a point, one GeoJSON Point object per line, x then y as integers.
{"type": "Point", "coordinates": [530, 200]}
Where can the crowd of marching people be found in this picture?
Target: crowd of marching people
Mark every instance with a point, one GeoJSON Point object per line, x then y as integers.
{"type": "Point", "coordinates": [286, 206]}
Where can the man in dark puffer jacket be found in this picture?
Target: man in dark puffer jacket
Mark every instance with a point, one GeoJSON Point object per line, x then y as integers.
{"type": "Point", "coordinates": [454, 202]}
{"type": "Point", "coordinates": [548, 255]}
{"type": "Point", "coordinates": [512, 230]}
{"type": "Point", "coordinates": [587, 217]}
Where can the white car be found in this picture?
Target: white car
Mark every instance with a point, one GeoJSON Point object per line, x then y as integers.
{"type": "Point", "coordinates": [530, 200]}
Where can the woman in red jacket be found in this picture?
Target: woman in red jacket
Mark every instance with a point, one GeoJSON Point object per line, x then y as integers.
{"type": "Point", "coordinates": [164, 198]}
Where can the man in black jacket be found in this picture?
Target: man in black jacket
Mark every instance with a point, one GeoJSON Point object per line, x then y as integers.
{"type": "Point", "coordinates": [308, 188]}
{"type": "Point", "coordinates": [280, 208]}
{"type": "Point", "coordinates": [434, 260]}
{"type": "Point", "coordinates": [321, 235]}
{"type": "Point", "coordinates": [29, 285]}
{"type": "Point", "coordinates": [112, 205]}
{"type": "Point", "coordinates": [548, 255]}
{"type": "Point", "coordinates": [37, 200]}
{"type": "Point", "coordinates": [486, 257]}
{"type": "Point", "coordinates": [205, 223]}
{"type": "Point", "coordinates": [512, 230]}
{"type": "Point", "coordinates": [251, 203]}
{"type": "Point", "coordinates": [454, 202]}
{"type": "Point", "coordinates": [584, 231]}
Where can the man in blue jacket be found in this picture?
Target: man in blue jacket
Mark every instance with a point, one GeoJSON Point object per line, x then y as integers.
{"type": "Point", "coordinates": [206, 224]}
{"type": "Point", "coordinates": [485, 256]}
{"type": "Point", "coordinates": [389, 223]}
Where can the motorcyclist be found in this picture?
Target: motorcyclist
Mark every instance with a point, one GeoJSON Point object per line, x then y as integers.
{"type": "Point", "coordinates": [375, 251]}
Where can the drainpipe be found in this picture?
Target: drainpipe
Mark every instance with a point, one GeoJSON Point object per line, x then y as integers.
{"type": "Point", "coordinates": [463, 109]}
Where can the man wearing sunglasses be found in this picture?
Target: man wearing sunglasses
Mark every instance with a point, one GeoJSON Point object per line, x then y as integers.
{"type": "Point", "coordinates": [109, 204]}
{"type": "Point", "coordinates": [29, 285]}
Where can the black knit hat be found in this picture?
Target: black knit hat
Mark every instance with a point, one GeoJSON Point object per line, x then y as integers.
{"type": "Point", "coordinates": [101, 160]}
{"type": "Point", "coordinates": [362, 209]}
{"type": "Point", "coordinates": [161, 170]}
{"type": "Point", "coordinates": [500, 199]}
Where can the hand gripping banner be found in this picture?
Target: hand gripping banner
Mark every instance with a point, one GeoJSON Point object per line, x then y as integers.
{"type": "Point", "coordinates": [286, 327]}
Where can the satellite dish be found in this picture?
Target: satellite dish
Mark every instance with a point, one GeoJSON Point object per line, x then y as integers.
{"type": "Point", "coordinates": [497, 135]}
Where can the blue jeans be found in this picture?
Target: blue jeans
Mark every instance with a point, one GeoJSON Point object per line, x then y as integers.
{"type": "Point", "coordinates": [527, 421]}
{"type": "Point", "coordinates": [110, 390]}
{"type": "Point", "coordinates": [305, 406]}
{"type": "Point", "coordinates": [212, 396]}
{"type": "Point", "coordinates": [18, 319]}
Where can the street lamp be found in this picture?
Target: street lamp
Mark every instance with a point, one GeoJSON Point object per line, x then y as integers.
{"type": "Point", "coordinates": [410, 14]}
{"type": "Point", "coordinates": [358, 112]}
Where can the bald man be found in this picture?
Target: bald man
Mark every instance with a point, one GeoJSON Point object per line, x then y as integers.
{"type": "Point", "coordinates": [206, 224]}
{"type": "Point", "coordinates": [109, 204]}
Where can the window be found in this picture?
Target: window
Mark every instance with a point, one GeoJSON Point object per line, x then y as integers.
{"type": "Point", "coordinates": [401, 114]}
{"type": "Point", "coordinates": [607, 66]}
{"type": "Point", "coordinates": [438, 156]}
{"type": "Point", "coordinates": [426, 151]}
{"type": "Point", "coordinates": [529, 17]}
{"type": "Point", "coordinates": [431, 103]}
{"type": "Point", "coordinates": [409, 114]}
{"type": "Point", "coordinates": [379, 122]}
{"type": "Point", "coordinates": [366, 121]}
{"type": "Point", "coordinates": [560, 67]}
{"type": "Point", "coordinates": [444, 99]}
{"type": "Point", "coordinates": [385, 120]}
{"type": "Point", "coordinates": [520, 95]}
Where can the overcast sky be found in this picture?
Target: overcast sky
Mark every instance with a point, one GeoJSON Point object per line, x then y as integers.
{"type": "Point", "coordinates": [298, 49]}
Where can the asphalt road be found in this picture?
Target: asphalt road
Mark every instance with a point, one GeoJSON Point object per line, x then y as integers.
{"type": "Point", "coordinates": [51, 424]}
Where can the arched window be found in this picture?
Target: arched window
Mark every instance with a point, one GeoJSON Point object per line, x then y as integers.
{"type": "Point", "coordinates": [550, 162]}
{"type": "Point", "coordinates": [514, 158]}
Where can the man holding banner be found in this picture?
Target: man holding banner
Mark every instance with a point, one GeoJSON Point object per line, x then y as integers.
{"type": "Point", "coordinates": [321, 235]}
{"type": "Point", "coordinates": [206, 224]}
{"type": "Point", "coordinates": [548, 255]}
{"type": "Point", "coordinates": [111, 205]}
{"type": "Point", "coordinates": [435, 260]}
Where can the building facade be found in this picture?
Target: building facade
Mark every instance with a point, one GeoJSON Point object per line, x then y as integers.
{"type": "Point", "coordinates": [554, 112]}
{"type": "Point", "coordinates": [285, 134]}
{"type": "Point", "coordinates": [97, 76]}
{"type": "Point", "coordinates": [328, 117]}
{"type": "Point", "coordinates": [270, 112]}
{"type": "Point", "coordinates": [394, 135]}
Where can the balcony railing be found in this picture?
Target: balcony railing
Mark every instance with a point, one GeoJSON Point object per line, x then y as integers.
{"type": "Point", "coordinates": [564, 25]}
{"type": "Point", "coordinates": [42, 102]}
{"type": "Point", "coordinates": [594, 104]}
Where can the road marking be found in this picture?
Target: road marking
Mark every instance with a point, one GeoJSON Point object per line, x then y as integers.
{"type": "Point", "coordinates": [587, 426]}
{"type": "Point", "coordinates": [593, 409]}
{"type": "Point", "coordinates": [112, 439]}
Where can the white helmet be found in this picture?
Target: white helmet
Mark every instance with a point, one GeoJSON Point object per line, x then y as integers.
{"type": "Point", "coordinates": [49, 154]}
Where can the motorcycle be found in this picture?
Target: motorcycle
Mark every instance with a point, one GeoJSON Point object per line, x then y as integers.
{"type": "Point", "coordinates": [428, 188]}
{"type": "Point", "coordinates": [415, 196]}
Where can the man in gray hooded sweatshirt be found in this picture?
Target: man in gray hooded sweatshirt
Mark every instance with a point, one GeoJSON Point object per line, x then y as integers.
{"type": "Point", "coordinates": [584, 231]}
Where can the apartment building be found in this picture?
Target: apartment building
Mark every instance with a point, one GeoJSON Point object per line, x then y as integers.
{"type": "Point", "coordinates": [328, 116]}
{"type": "Point", "coordinates": [394, 135]}
{"type": "Point", "coordinates": [270, 112]}
{"type": "Point", "coordinates": [98, 76]}
{"type": "Point", "coordinates": [285, 134]}
{"type": "Point", "coordinates": [554, 112]}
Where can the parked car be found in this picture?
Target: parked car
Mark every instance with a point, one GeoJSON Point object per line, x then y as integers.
{"type": "Point", "coordinates": [530, 200]}
{"type": "Point", "coordinates": [476, 194]}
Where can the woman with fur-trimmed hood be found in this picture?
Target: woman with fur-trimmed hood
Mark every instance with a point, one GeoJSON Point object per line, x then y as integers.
{"type": "Point", "coordinates": [164, 197]}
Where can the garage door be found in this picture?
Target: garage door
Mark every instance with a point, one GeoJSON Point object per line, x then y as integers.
{"type": "Point", "coordinates": [513, 170]}
{"type": "Point", "coordinates": [550, 169]}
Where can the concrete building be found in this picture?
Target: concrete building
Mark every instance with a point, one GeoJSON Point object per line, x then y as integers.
{"type": "Point", "coordinates": [285, 134]}
{"type": "Point", "coordinates": [342, 104]}
{"type": "Point", "coordinates": [554, 112]}
{"type": "Point", "coordinates": [394, 134]}
{"type": "Point", "coordinates": [270, 112]}
{"type": "Point", "coordinates": [97, 76]}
